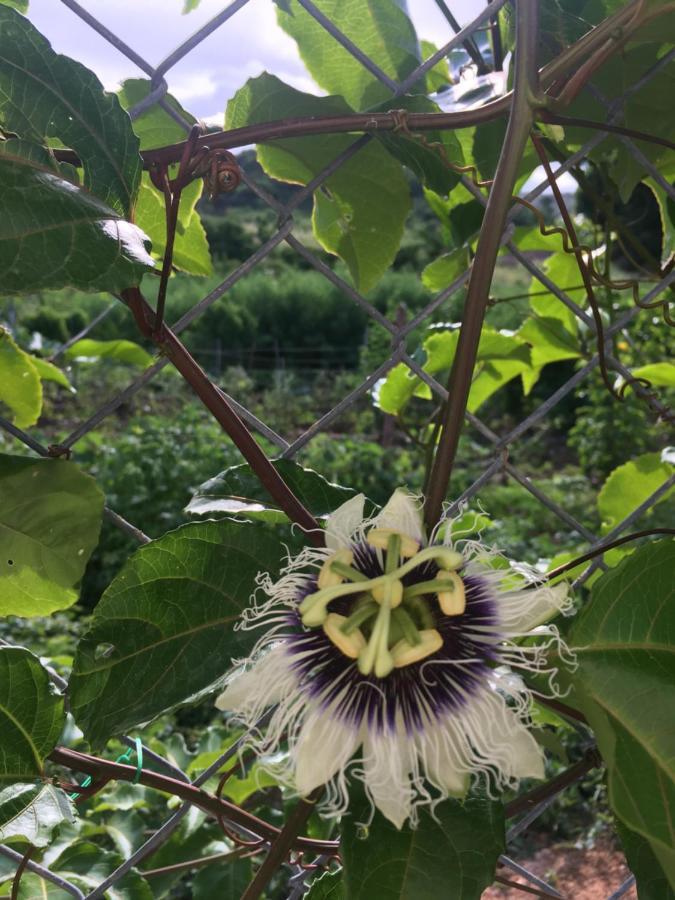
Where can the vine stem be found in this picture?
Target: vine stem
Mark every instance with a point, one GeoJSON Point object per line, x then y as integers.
{"type": "Point", "coordinates": [215, 806]}
{"type": "Point", "coordinates": [526, 99]}
{"type": "Point", "coordinates": [603, 548]}
{"type": "Point", "coordinates": [224, 414]}
{"type": "Point", "coordinates": [282, 845]}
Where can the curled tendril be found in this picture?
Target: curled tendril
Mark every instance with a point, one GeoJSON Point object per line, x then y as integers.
{"type": "Point", "coordinates": [400, 117]}
{"type": "Point", "coordinates": [220, 171]}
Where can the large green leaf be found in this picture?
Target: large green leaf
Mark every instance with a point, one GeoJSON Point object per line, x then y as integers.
{"type": "Point", "coordinates": [50, 517]}
{"type": "Point", "coordinates": [654, 871]}
{"type": "Point", "coordinates": [660, 374]}
{"type": "Point", "coordinates": [360, 210]}
{"type": "Point", "coordinates": [54, 234]}
{"type": "Point", "coordinates": [426, 155]}
{"type": "Point", "coordinates": [20, 385]}
{"type": "Point", "coordinates": [501, 357]}
{"type": "Point", "coordinates": [163, 631]}
{"type": "Point", "coordinates": [629, 485]}
{"type": "Point", "coordinates": [44, 96]}
{"type": "Point", "coordinates": [381, 30]}
{"type": "Point", "coordinates": [625, 640]}
{"type": "Point", "coordinates": [330, 886]}
{"type": "Point", "coordinates": [120, 351]}
{"type": "Point", "coordinates": [451, 855]}
{"type": "Point", "coordinates": [237, 491]}
{"type": "Point", "coordinates": [31, 716]}
{"type": "Point", "coordinates": [86, 865]}
{"type": "Point", "coordinates": [156, 128]}
{"type": "Point", "coordinates": [31, 812]}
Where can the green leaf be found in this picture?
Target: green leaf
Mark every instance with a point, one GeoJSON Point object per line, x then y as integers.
{"type": "Point", "coordinates": [453, 855]}
{"type": "Point", "coordinates": [444, 269]}
{"type": "Point", "coordinates": [229, 879]}
{"type": "Point", "coordinates": [50, 519]}
{"type": "Point", "coordinates": [49, 372]}
{"type": "Point", "coordinates": [44, 95]}
{"type": "Point", "coordinates": [156, 128]}
{"type": "Point", "coordinates": [330, 886]}
{"type": "Point", "coordinates": [360, 211]}
{"type": "Point", "coordinates": [629, 485]}
{"type": "Point", "coordinates": [626, 651]}
{"type": "Point", "coordinates": [31, 715]}
{"type": "Point", "coordinates": [438, 78]}
{"type": "Point", "coordinates": [550, 342]}
{"type": "Point", "coordinates": [501, 357]}
{"type": "Point", "coordinates": [661, 374]}
{"type": "Point", "coordinates": [120, 351]}
{"type": "Point", "coordinates": [163, 631]}
{"type": "Point", "coordinates": [381, 30]}
{"type": "Point", "coordinates": [190, 247]}
{"type": "Point", "coordinates": [31, 812]}
{"type": "Point", "coordinates": [78, 240]}
{"type": "Point", "coordinates": [86, 865]}
{"type": "Point", "coordinates": [21, 5]}
{"type": "Point", "coordinates": [238, 491]}
{"type": "Point", "coordinates": [424, 154]}
{"type": "Point", "coordinates": [20, 386]}
{"type": "Point", "coordinates": [653, 866]}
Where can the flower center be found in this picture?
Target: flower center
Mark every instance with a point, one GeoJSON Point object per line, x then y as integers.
{"type": "Point", "coordinates": [389, 625]}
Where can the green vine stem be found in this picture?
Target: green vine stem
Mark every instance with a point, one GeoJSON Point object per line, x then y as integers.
{"type": "Point", "coordinates": [526, 100]}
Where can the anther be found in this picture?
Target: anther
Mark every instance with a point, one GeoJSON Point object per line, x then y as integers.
{"type": "Point", "coordinates": [328, 576]}
{"type": "Point", "coordinates": [404, 654]}
{"type": "Point", "coordinates": [452, 599]}
{"type": "Point", "coordinates": [379, 538]}
{"type": "Point", "coordinates": [350, 644]}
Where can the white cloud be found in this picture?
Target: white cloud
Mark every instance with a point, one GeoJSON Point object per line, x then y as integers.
{"type": "Point", "coordinates": [244, 46]}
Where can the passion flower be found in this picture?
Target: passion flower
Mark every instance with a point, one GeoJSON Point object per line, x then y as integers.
{"type": "Point", "coordinates": [392, 659]}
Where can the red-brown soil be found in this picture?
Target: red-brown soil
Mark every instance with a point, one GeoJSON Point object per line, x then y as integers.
{"type": "Point", "coordinates": [576, 874]}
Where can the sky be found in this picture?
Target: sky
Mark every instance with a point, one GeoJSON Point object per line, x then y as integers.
{"type": "Point", "coordinates": [247, 44]}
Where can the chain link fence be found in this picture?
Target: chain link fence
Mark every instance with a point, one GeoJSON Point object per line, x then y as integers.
{"type": "Point", "coordinates": [503, 448]}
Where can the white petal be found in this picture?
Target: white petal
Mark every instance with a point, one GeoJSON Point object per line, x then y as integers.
{"type": "Point", "coordinates": [324, 748]}
{"type": "Point", "coordinates": [527, 754]}
{"type": "Point", "coordinates": [341, 524]}
{"type": "Point", "coordinates": [444, 753]}
{"type": "Point", "coordinates": [521, 611]}
{"type": "Point", "coordinates": [386, 762]}
{"type": "Point", "coordinates": [500, 738]}
{"type": "Point", "coordinates": [266, 683]}
{"type": "Point", "coordinates": [404, 513]}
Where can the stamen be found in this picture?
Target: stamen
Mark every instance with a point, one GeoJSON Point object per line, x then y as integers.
{"type": "Point", "coordinates": [313, 607]}
{"type": "Point", "coordinates": [446, 558]}
{"type": "Point", "coordinates": [404, 653]}
{"type": "Point", "coordinates": [348, 572]}
{"type": "Point", "coordinates": [328, 576]}
{"type": "Point", "coordinates": [359, 616]}
{"type": "Point", "coordinates": [410, 632]}
{"type": "Point", "coordinates": [376, 656]}
{"type": "Point", "coordinates": [350, 644]}
{"type": "Point", "coordinates": [452, 598]}
{"type": "Point", "coordinates": [379, 538]}
{"type": "Point", "coordinates": [427, 587]}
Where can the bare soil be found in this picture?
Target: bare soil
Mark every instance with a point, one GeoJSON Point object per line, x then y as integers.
{"type": "Point", "coordinates": [578, 874]}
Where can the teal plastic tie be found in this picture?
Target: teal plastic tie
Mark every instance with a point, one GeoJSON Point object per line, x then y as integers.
{"type": "Point", "coordinates": [125, 757]}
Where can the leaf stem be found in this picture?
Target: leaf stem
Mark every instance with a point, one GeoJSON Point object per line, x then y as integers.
{"type": "Point", "coordinates": [526, 99]}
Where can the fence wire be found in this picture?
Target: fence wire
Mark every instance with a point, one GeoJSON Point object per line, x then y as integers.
{"type": "Point", "coordinates": [501, 449]}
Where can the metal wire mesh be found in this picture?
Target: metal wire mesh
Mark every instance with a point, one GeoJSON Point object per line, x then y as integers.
{"type": "Point", "coordinates": [502, 448]}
